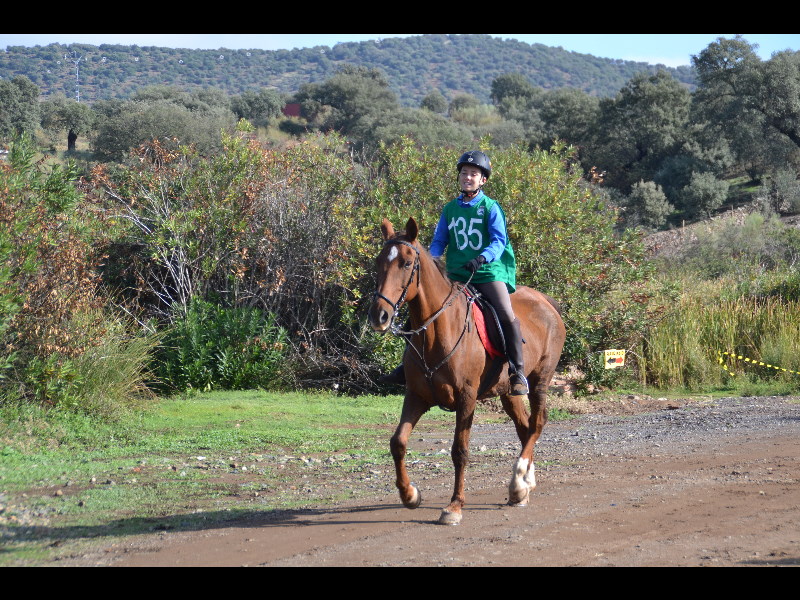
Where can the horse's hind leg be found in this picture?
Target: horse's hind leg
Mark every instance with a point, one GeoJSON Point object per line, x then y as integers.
{"type": "Point", "coordinates": [529, 428]}
{"type": "Point", "coordinates": [413, 409]}
{"type": "Point", "coordinates": [519, 487]}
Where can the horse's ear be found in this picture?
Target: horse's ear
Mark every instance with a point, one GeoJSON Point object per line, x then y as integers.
{"type": "Point", "coordinates": [411, 229]}
{"type": "Point", "coordinates": [387, 229]}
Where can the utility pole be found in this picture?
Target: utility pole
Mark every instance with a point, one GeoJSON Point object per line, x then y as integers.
{"type": "Point", "coordinates": [76, 59]}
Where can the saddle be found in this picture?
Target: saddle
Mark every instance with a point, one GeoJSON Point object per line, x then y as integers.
{"type": "Point", "coordinates": [488, 325]}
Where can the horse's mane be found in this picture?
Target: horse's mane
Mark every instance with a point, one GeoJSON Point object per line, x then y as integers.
{"type": "Point", "coordinates": [438, 261]}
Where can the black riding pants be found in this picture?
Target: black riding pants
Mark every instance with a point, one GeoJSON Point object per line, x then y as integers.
{"type": "Point", "coordinates": [496, 292]}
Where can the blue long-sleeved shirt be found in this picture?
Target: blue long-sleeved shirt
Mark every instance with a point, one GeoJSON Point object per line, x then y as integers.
{"type": "Point", "coordinates": [497, 231]}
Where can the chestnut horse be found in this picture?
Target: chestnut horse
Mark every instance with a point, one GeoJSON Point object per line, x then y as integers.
{"type": "Point", "coordinates": [446, 364]}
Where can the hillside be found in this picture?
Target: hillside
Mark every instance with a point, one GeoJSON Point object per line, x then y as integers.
{"type": "Point", "coordinates": [414, 66]}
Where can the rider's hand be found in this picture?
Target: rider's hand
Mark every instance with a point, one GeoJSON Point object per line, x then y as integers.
{"type": "Point", "coordinates": [475, 263]}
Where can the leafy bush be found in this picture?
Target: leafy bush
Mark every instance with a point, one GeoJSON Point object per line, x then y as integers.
{"type": "Point", "coordinates": [649, 204]}
{"type": "Point", "coordinates": [567, 246]}
{"type": "Point", "coordinates": [781, 192]}
{"type": "Point", "coordinates": [704, 194]}
{"type": "Point", "coordinates": [61, 344]}
{"type": "Point", "coordinates": [214, 347]}
{"type": "Point", "coordinates": [295, 231]}
{"type": "Point", "coordinates": [563, 235]}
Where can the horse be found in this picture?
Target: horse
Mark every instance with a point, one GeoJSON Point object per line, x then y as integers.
{"type": "Point", "coordinates": [447, 365]}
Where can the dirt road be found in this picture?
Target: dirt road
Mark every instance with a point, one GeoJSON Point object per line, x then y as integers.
{"type": "Point", "coordinates": [712, 483]}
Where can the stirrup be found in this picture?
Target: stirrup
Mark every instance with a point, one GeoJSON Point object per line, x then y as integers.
{"type": "Point", "coordinates": [519, 385]}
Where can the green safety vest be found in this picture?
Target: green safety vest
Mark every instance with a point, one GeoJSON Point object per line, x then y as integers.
{"type": "Point", "coordinates": [468, 228]}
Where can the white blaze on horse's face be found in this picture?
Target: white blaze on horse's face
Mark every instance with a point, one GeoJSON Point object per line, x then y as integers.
{"type": "Point", "coordinates": [393, 252]}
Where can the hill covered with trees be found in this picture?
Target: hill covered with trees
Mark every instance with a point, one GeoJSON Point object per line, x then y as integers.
{"type": "Point", "coordinates": [415, 66]}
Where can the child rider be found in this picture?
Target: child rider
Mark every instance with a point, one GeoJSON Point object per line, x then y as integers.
{"type": "Point", "coordinates": [472, 228]}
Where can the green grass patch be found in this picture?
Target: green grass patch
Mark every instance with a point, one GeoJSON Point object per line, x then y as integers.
{"type": "Point", "coordinates": [69, 481]}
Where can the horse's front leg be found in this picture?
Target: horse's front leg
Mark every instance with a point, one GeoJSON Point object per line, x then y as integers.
{"type": "Point", "coordinates": [465, 411]}
{"type": "Point", "coordinates": [413, 409]}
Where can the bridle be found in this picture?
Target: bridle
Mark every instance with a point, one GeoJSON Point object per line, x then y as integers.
{"type": "Point", "coordinates": [415, 270]}
{"type": "Point", "coordinates": [455, 291]}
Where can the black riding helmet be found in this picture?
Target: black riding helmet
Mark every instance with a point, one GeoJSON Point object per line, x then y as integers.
{"type": "Point", "coordinates": [477, 159]}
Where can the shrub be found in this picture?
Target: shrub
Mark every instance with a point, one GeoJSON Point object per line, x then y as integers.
{"type": "Point", "coordinates": [214, 347]}
{"type": "Point", "coordinates": [295, 232]}
{"type": "Point", "coordinates": [649, 204]}
{"type": "Point", "coordinates": [747, 251]}
{"type": "Point", "coordinates": [780, 193]}
{"type": "Point", "coordinates": [563, 235]}
{"type": "Point", "coordinates": [566, 246]}
{"type": "Point", "coordinates": [56, 328]}
{"type": "Point", "coordinates": [704, 194]}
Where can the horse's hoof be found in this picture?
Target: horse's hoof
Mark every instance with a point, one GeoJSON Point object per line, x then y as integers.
{"type": "Point", "coordinates": [518, 498]}
{"type": "Point", "coordinates": [416, 498]}
{"type": "Point", "coordinates": [449, 518]}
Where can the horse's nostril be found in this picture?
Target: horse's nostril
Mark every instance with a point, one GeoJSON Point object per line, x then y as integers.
{"type": "Point", "coordinates": [379, 318]}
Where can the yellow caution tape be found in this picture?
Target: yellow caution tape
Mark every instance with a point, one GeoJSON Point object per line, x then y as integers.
{"type": "Point", "coordinates": [752, 362]}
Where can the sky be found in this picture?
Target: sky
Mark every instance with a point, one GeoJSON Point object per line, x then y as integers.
{"type": "Point", "coordinates": [670, 49]}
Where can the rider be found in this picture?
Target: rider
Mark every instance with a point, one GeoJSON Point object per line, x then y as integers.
{"type": "Point", "coordinates": [472, 228]}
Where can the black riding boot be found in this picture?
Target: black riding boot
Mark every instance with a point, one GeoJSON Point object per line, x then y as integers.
{"type": "Point", "coordinates": [396, 377]}
{"type": "Point", "coordinates": [516, 367]}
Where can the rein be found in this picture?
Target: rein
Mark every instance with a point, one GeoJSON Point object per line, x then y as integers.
{"type": "Point", "coordinates": [454, 292]}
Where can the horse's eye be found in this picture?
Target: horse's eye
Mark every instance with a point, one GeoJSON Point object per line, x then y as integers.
{"type": "Point", "coordinates": [408, 264]}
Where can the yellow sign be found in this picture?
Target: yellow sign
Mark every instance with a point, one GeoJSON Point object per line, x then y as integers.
{"type": "Point", "coordinates": [614, 358]}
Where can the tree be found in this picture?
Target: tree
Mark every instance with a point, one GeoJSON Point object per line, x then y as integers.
{"type": "Point", "coordinates": [167, 122]}
{"type": "Point", "coordinates": [637, 130]}
{"type": "Point", "coordinates": [648, 204]}
{"type": "Point", "coordinates": [60, 114]}
{"type": "Point", "coordinates": [780, 193]}
{"type": "Point", "coordinates": [462, 102]}
{"type": "Point", "coordinates": [524, 111]}
{"type": "Point", "coordinates": [19, 107]}
{"type": "Point", "coordinates": [776, 93]}
{"type": "Point", "coordinates": [704, 194]}
{"type": "Point", "coordinates": [435, 102]}
{"type": "Point", "coordinates": [726, 65]}
{"type": "Point", "coordinates": [514, 85]}
{"type": "Point", "coordinates": [162, 113]}
{"type": "Point", "coordinates": [352, 94]}
{"type": "Point", "coordinates": [568, 115]}
{"type": "Point", "coordinates": [503, 133]}
{"type": "Point", "coordinates": [753, 104]}
{"type": "Point", "coordinates": [257, 107]}
{"type": "Point", "coordinates": [424, 127]}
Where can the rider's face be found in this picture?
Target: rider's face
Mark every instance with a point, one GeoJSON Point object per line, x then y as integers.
{"type": "Point", "coordinates": [471, 178]}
